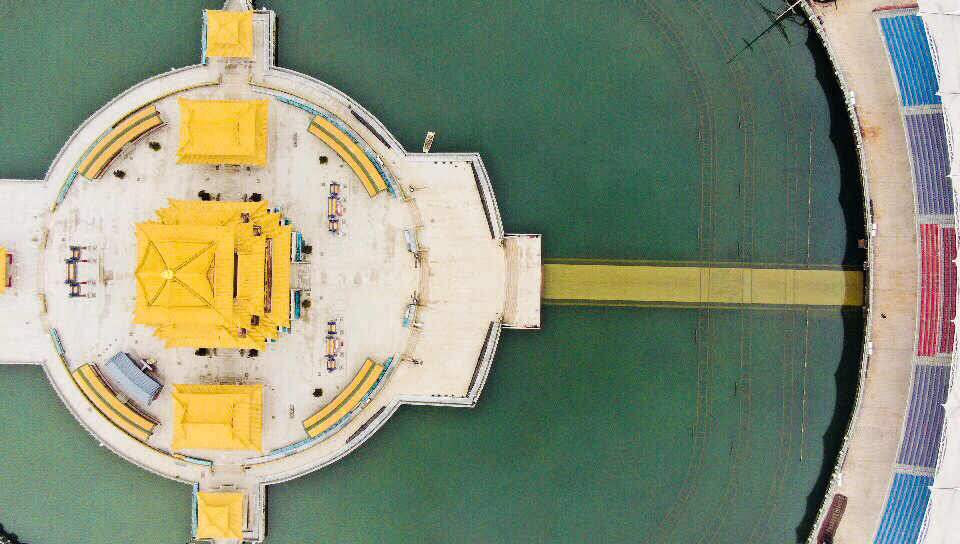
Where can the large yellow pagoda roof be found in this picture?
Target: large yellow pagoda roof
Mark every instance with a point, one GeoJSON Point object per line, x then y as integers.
{"type": "Point", "coordinates": [214, 274]}
{"type": "Point", "coordinates": [229, 33]}
{"type": "Point", "coordinates": [223, 132]}
{"type": "Point", "coordinates": [182, 273]}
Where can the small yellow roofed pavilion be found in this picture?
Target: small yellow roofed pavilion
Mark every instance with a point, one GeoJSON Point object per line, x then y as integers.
{"type": "Point", "coordinates": [217, 417]}
{"type": "Point", "coordinates": [214, 274]}
{"type": "Point", "coordinates": [223, 132]}
{"type": "Point", "coordinates": [229, 33]}
{"type": "Point", "coordinates": [219, 515]}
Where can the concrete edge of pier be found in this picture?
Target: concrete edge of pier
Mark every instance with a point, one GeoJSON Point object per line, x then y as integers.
{"type": "Point", "coordinates": [862, 471]}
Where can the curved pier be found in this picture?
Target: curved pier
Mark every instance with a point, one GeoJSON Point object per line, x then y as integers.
{"type": "Point", "coordinates": [863, 471]}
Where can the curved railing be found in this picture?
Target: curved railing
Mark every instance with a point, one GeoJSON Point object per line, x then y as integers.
{"type": "Point", "coordinates": [868, 298]}
{"type": "Point", "coordinates": [906, 502]}
{"type": "Point", "coordinates": [74, 172]}
{"type": "Point", "coordinates": [379, 163]}
{"type": "Point", "coordinates": [113, 101]}
{"type": "Point", "coordinates": [380, 417]}
{"type": "Point", "coordinates": [74, 412]}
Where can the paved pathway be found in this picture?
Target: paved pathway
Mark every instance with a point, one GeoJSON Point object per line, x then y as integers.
{"type": "Point", "coordinates": [852, 30]}
{"type": "Point", "coordinates": [598, 284]}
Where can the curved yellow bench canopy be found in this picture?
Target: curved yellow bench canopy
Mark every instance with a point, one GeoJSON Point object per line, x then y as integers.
{"type": "Point", "coordinates": [107, 403]}
{"type": "Point", "coordinates": [350, 152]}
{"type": "Point", "coordinates": [346, 401]}
{"type": "Point", "coordinates": [128, 130]}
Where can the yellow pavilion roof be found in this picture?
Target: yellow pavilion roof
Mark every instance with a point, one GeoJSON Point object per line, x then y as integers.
{"type": "Point", "coordinates": [219, 515]}
{"type": "Point", "coordinates": [229, 33]}
{"type": "Point", "coordinates": [217, 417]}
{"type": "Point", "coordinates": [3, 269]}
{"type": "Point", "coordinates": [214, 274]}
{"type": "Point", "coordinates": [223, 132]}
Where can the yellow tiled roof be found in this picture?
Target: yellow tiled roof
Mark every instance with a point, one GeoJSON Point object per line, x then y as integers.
{"type": "Point", "coordinates": [229, 33]}
{"type": "Point", "coordinates": [219, 515]}
{"type": "Point", "coordinates": [207, 268]}
{"type": "Point", "coordinates": [217, 417]}
{"type": "Point", "coordinates": [223, 132]}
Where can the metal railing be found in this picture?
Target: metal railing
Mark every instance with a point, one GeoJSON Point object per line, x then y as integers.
{"type": "Point", "coordinates": [850, 101]}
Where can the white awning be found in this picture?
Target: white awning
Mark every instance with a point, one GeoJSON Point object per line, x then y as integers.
{"type": "Point", "coordinates": [942, 20]}
{"type": "Point", "coordinates": [943, 521]}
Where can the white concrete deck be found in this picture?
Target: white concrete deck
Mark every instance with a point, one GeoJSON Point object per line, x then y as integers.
{"type": "Point", "coordinates": [524, 281]}
{"type": "Point", "coordinates": [364, 277]}
{"type": "Point", "coordinates": [21, 332]}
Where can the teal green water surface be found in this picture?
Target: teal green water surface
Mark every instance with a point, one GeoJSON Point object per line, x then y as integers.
{"type": "Point", "coordinates": [614, 128]}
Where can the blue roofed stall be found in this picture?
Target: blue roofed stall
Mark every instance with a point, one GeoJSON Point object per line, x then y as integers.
{"type": "Point", "coordinates": [131, 379]}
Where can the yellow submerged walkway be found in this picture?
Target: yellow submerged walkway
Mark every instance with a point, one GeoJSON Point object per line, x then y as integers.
{"type": "Point", "coordinates": [639, 285]}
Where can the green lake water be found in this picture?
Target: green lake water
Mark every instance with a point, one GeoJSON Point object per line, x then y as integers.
{"type": "Point", "coordinates": [618, 131]}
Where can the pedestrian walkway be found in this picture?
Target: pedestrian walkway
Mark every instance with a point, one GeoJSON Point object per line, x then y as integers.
{"type": "Point", "coordinates": [601, 284]}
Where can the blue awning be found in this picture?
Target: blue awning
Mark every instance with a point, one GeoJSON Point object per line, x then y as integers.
{"type": "Point", "coordinates": [128, 377]}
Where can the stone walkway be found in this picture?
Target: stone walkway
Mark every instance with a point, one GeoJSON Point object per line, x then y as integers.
{"type": "Point", "coordinates": [600, 284]}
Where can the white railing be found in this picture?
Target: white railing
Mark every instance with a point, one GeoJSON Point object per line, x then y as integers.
{"type": "Point", "coordinates": [868, 215]}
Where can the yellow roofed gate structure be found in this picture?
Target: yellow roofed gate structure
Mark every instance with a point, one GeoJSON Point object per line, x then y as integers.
{"type": "Point", "coordinates": [219, 515]}
{"type": "Point", "coordinates": [217, 417]}
{"type": "Point", "coordinates": [223, 132]}
{"type": "Point", "coordinates": [229, 33]}
{"type": "Point", "coordinates": [214, 274]}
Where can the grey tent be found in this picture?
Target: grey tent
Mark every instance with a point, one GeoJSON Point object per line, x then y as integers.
{"type": "Point", "coordinates": [131, 380]}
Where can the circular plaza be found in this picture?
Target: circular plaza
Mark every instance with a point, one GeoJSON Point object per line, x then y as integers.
{"type": "Point", "coordinates": [242, 275]}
